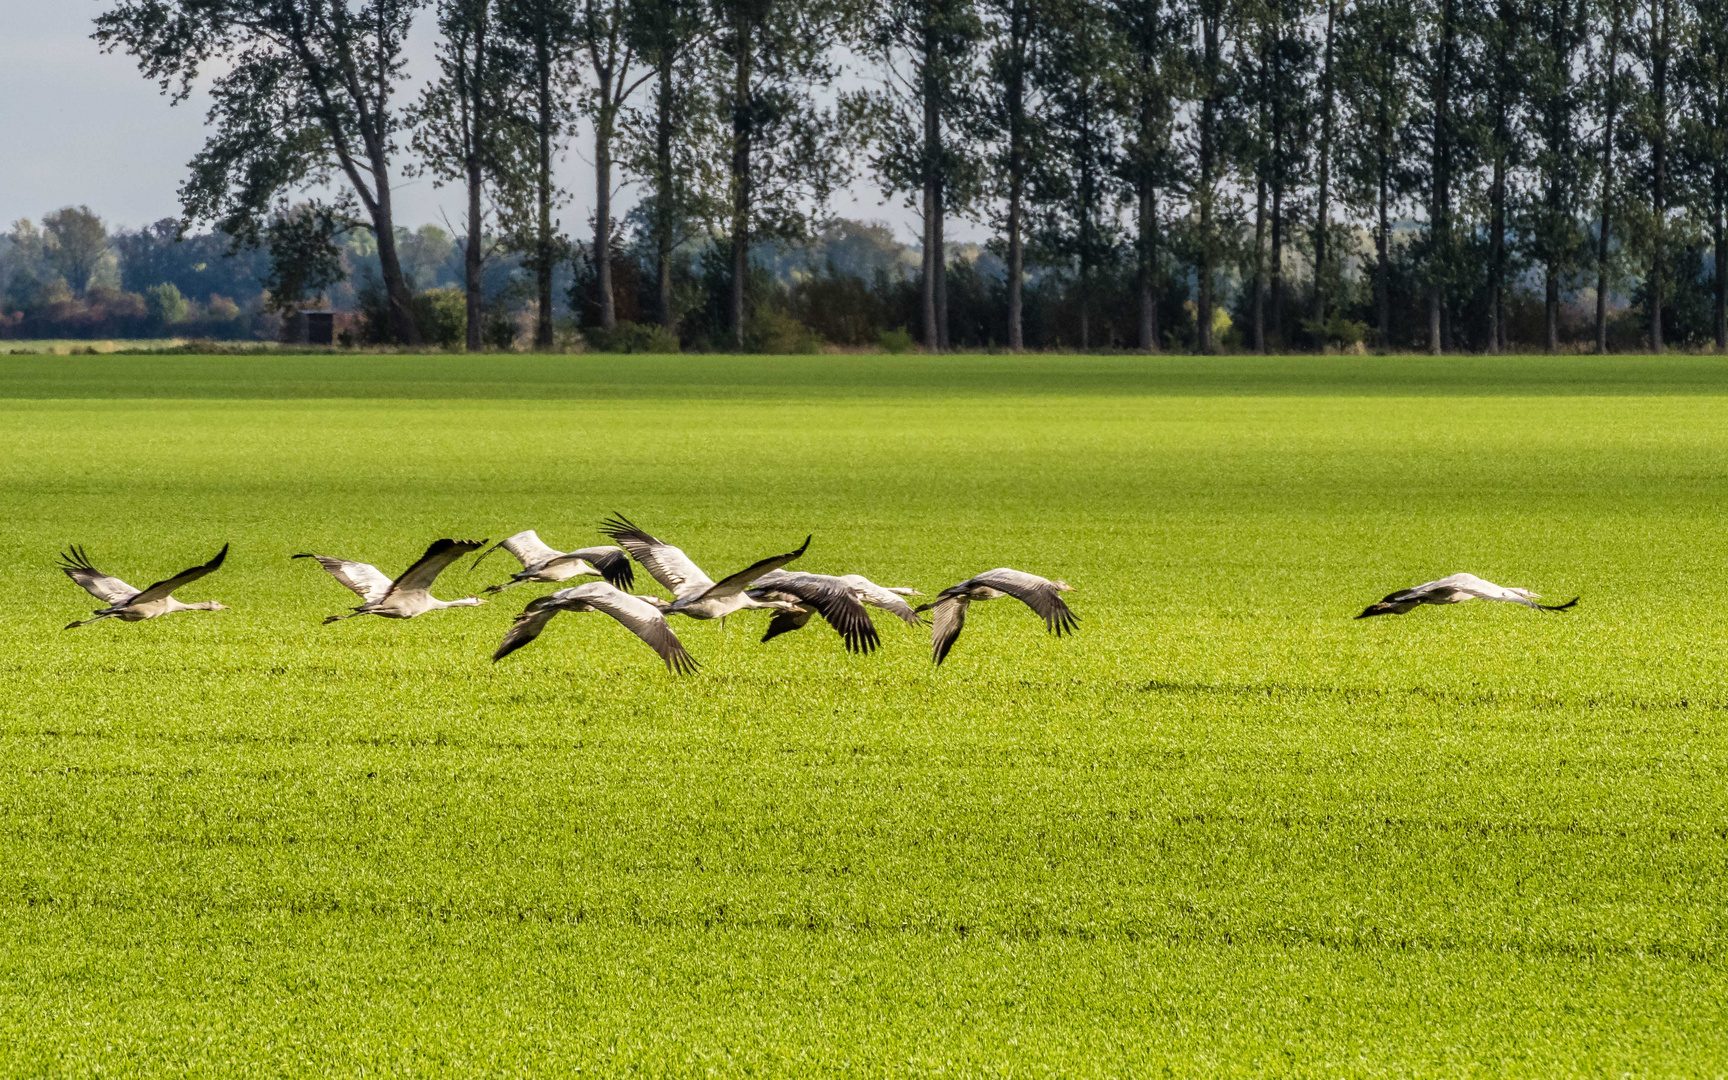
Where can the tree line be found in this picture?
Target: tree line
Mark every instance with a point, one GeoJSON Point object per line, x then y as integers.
{"type": "Point", "coordinates": [1202, 174]}
{"type": "Point", "coordinates": [70, 276]}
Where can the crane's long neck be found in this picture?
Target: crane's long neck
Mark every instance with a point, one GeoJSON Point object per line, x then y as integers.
{"type": "Point", "coordinates": [174, 605]}
{"type": "Point", "coordinates": [466, 601]}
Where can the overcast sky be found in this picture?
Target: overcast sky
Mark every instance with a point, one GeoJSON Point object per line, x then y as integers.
{"type": "Point", "coordinates": [79, 127]}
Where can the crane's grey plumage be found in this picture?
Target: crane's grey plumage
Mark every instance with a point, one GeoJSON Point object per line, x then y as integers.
{"type": "Point", "coordinates": [1040, 594]}
{"type": "Point", "coordinates": [840, 600]}
{"type": "Point", "coordinates": [694, 593]}
{"type": "Point", "coordinates": [127, 604]}
{"type": "Point", "coordinates": [835, 600]}
{"type": "Point", "coordinates": [408, 595]}
{"type": "Point", "coordinates": [890, 598]}
{"type": "Point", "coordinates": [1455, 590]}
{"type": "Point", "coordinates": [543, 563]}
{"type": "Point", "coordinates": [640, 615]}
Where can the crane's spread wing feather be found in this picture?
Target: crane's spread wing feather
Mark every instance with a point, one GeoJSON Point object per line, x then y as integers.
{"type": "Point", "coordinates": [637, 615]}
{"type": "Point", "coordinates": [642, 619]}
{"type": "Point", "coordinates": [368, 582]}
{"type": "Point", "coordinates": [949, 618]}
{"type": "Point", "coordinates": [665, 563]}
{"type": "Point", "coordinates": [784, 622]}
{"type": "Point", "coordinates": [835, 601]}
{"type": "Point", "coordinates": [1451, 588]}
{"type": "Point", "coordinates": [441, 553]}
{"type": "Point", "coordinates": [162, 589]}
{"type": "Point", "coordinates": [1039, 594]}
{"type": "Point", "coordinates": [734, 584]}
{"type": "Point", "coordinates": [877, 596]}
{"type": "Point", "coordinates": [1471, 585]}
{"type": "Point", "coordinates": [612, 562]}
{"type": "Point", "coordinates": [109, 590]}
{"type": "Point", "coordinates": [527, 626]}
{"type": "Point", "coordinates": [525, 545]}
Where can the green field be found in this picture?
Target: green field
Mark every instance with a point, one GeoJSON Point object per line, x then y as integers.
{"type": "Point", "coordinates": [1225, 830]}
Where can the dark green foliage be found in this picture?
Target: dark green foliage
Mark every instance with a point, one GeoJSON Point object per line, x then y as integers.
{"type": "Point", "coordinates": [302, 100]}
{"type": "Point", "coordinates": [443, 317]}
{"type": "Point", "coordinates": [894, 342]}
{"type": "Point", "coordinates": [166, 306]}
{"type": "Point", "coordinates": [1078, 76]}
{"type": "Point", "coordinates": [196, 264]}
{"type": "Point", "coordinates": [305, 258]}
{"type": "Point", "coordinates": [630, 337]}
{"type": "Point", "coordinates": [77, 242]}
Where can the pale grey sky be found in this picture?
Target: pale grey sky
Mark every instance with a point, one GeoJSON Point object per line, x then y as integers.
{"type": "Point", "coordinates": [79, 127]}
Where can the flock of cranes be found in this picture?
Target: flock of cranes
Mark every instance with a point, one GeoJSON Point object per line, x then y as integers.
{"type": "Point", "coordinates": [793, 596]}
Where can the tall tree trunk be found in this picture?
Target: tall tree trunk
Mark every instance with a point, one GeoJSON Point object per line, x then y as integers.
{"type": "Point", "coordinates": [742, 131]}
{"type": "Point", "coordinates": [1718, 234]}
{"type": "Point", "coordinates": [1611, 104]}
{"type": "Point", "coordinates": [603, 122]}
{"type": "Point", "coordinates": [1499, 334]}
{"type": "Point", "coordinates": [663, 190]}
{"type": "Point", "coordinates": [1559, 122]}
{"type": "Point", "coordinates": [402, 319]}
{"type": "Point", "coordinates": [1323, 212]}
{"type": "Point", "coordinates": [1551, 310]}
{"type": "Point", "coordinates": [1016, 270]}
{"type": "Point", "coordinates": [1016, 109]}
{"type": "Point", "coordinates": [1259, 302]}
{"type": "Point", "coordinates": [1439, 213]}
{"type": "Point", "coordinates": [1085, 305]}
{"type": "Point", "coordinates": [471, 264]}
{"type": "Point", "coordinates": [939, 252]}
{"type": "Point", "coordinates": [929, 271]}
{"type": "Point", "coordinates": [1145, 280]}
{"type": "Point", "coordinates": [543, 196]}
{"type": "Point", "coordinates": [927, 268]}
{"type": "Point", "coordinates": [1209, 19]}
{"type": "Point", "coordinates": [473, 97]}
{"type": "Point", "coordinates": [376, 198]}
{"type": "Point", "coordinates": [1602, 278]}
{"type": "Point", "coordinates": [1383, 261]}
{"type": "Point", "coordinates": [1277, 265]}
{"type": "Point", "coordinates": [1659, 166]}
{"type": "Point", "coordinates": [1497, 255]}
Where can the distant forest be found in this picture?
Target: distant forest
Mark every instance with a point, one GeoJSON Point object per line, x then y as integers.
{"type": "Point", "coordinates": [1204, 175]}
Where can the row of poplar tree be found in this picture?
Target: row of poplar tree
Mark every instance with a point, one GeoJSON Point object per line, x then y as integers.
{"type": "Point", "coordinates": [1436, 154]}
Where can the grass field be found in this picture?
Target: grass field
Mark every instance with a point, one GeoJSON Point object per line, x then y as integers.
{"type": "Point", "coordinates": [1225, 830]}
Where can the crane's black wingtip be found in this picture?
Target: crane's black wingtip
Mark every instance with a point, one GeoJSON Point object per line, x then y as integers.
{"type": "Point", "coordinates": [1567, 606]}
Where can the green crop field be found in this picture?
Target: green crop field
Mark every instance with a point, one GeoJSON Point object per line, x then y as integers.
{"type": "Point", "coordinates": [1224, 830]}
